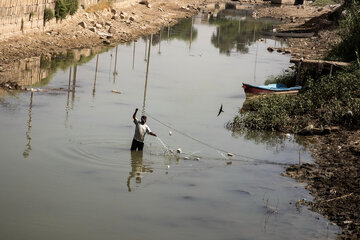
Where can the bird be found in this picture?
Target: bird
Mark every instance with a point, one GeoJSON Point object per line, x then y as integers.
{"type": "Point", "coordinates": [220, 110]}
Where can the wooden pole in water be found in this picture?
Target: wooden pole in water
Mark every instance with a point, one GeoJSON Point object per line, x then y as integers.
{"type": "Point", "coordinates": [147, 74]}
{"type": "Point", "coordinates": [159, 52]}
{"type": "Point", "coordinates": [168, 34]}
{"type": "Point", "coordinates": [256, 55]}
{"type": "Point", "coordinates": [191, 32]}
{"type": "Point", "coordinates": [145, 47]}
{"type": "Point", "coordinates": [73, 87]}
{"type": "Point", "coordinates": [115, 67]}
{"type": "Point", "coordinates": [133, 63]}
{"type": "Point", "coordinates": [68, 97]}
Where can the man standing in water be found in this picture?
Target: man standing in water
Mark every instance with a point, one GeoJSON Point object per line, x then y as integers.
{"type": "Point", "coordinates": [141, 129]}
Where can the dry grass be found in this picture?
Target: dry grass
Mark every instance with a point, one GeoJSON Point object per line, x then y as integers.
{"type": "Point", "coordinates": [99, 6]}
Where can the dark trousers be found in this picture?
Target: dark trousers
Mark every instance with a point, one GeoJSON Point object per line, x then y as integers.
{"type": "Point", "coordinates": [137, 145]}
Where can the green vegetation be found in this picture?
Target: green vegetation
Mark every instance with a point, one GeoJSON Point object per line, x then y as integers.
{"type": "Point", "coordinates": [323, 101]}
{"type": "Point", "coordinates": [65, 7]}
{"type": "Point", "coordinates": [48, 15]}
{"type": "Point", "coordinates": [326, 101]}
{"type": "Point", "coordinates": [288, 79]}
{"type": "Point", "coordinates": [350, 35]}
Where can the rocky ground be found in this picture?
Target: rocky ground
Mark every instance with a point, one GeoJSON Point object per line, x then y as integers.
{"type": "Point", "coordinates": [304, 18]}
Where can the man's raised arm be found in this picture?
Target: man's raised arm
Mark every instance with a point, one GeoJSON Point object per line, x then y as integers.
{"type": "Point", "coordinates": [134, 115]}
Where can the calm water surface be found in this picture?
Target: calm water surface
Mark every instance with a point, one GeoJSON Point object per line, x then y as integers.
{"type": "Point", "coordinates": [66, 171]}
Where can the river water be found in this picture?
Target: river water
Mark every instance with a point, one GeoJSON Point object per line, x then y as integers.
{"type": "Point", "coordinates": [66, 171]}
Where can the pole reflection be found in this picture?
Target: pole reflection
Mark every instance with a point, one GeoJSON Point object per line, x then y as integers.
{"type": "Point", "coordinates": [28, 148]}
{"type": "Point", "coordinates": [133, 62]}
{"type": "Point", "coordinates": [96, 71]}
{"type": "Point", "coordinates": [115, 67]}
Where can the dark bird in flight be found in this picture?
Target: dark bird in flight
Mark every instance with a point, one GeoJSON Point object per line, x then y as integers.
{"type": "Point", "coordinates": [220, 110]}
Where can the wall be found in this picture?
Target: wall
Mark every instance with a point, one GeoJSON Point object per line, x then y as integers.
{"type": "Point", "coordinates": [24, 16]}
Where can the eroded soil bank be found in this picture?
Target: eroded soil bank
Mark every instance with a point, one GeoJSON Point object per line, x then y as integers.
{"type": "Point", "coordinates": [334, 180]}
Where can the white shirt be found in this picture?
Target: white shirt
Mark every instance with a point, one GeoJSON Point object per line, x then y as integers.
{"type": "Point", "coordinates": [140, 130]}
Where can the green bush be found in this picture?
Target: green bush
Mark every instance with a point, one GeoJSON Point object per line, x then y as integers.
{"type": "Point", "coordinates": [288, 79]}
{"type": "Point", "coordinates": [72, 6]}
{"type": "Point", "coordinates": [65, 7]}
{"type": "Point", "coordinates": [48, 15]}
{"type": "Point", "coordinates": [350, 36]}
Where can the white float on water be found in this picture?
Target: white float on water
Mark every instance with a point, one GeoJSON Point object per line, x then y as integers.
{"type": "Point", "coordinates": [170, 133]}
{"type": "Point", "coordinates": [178, 150]}
{"type": "Point", "coordinates": [230, 154]}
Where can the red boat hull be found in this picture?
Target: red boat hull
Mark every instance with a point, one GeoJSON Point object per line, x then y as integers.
{"type": "Point", "coordinates": [251, 90]}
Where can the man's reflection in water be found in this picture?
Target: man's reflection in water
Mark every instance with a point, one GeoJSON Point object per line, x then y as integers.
{"type": "Point", "coordinates": [137, 168]}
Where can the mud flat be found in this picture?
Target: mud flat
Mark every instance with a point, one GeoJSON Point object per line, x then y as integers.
{"type": "Point", "coordinates": [334, 180]}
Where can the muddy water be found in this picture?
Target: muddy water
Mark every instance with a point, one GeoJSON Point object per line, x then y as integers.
{"type": "Point", "coordinates": [66, 171]}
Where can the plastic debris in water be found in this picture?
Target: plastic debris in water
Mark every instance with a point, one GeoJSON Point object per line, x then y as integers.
{"type": "Point", "coordinates": [229, 163]}
{"type": "Point", "coordinates": [116, 91]}
{"type": "Point", "coordinates": [186, 158]}
{"type": "Point", "coordinates": [178, 150]}
{"type": "Point", "coordinates": [170, 133]}
{"type": "Point", "coordinates": [167, 166]}
{"type": "Point", "coordinates": [288, 135]}
{"type": "Point", "coordinates": [230, 154]}
{"type": "Point", "coordinates": [197, 158]}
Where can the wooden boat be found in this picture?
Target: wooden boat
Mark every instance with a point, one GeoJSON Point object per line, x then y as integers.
{"type": "Point", "coordinates": [277, 88]}
{"type": "Point", "coordinates": [289, 34]}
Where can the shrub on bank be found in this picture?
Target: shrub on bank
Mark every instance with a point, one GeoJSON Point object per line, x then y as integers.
{"type": "Point", "coordinates": [65, 7]}
{"type": "Point", "coordinates": [48, 15]}
{"type": "Point", "coordinates": [350, 35]}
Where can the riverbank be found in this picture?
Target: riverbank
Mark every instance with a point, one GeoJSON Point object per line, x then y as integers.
{"type": "Point", "coordinates": [334, 181]}
{"type": "Point", "coordinates": [93, 27]}
{"type": "Point", "coordinates": [127, 21]}
{"type": "Point", "coordinates": [334, 178]}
